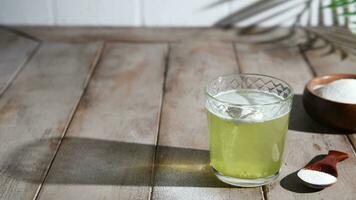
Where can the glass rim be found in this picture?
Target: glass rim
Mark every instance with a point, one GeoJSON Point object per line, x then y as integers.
{"type": "Point", "coordinates": [290, 95]}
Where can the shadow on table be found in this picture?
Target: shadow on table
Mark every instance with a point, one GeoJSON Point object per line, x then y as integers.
{"type": "Point", "coordinates": [103, 162]}
{"type": "Point", "coordinates": [292, 183]}
{"type": "Point", "coordinates": [301, 121]}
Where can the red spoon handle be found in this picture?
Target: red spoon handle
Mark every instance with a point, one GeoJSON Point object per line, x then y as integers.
{"type": "Point", "coordinates": [332, 158]}
{"type": "Point", "coordinates": [329, 162]}
{"type": "Point", "coordinates": [337, 155]}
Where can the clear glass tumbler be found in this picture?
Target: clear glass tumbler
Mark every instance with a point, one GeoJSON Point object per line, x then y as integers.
{"type": "Point", "coordinates": [248, 118]}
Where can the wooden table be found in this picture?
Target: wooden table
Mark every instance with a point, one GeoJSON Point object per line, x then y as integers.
{"type": "Point", "coordinates": [118, 113]}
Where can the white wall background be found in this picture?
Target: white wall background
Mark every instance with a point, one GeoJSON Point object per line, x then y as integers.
{"type": "Point", "coordinates": [138, 12]}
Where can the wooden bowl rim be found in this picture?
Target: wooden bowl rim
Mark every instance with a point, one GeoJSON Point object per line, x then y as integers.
{"type": "Point", "coordinates": [332, 77]}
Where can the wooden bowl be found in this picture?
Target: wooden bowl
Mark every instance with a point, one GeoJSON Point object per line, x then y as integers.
{"type": "Point", "coordinates": [330, 113]}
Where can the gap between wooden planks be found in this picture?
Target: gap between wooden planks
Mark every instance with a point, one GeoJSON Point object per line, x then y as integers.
{"type": "Point", "coordinates": [182, 161]}
{"type": "Point", "coordinates": [15, 52]}
{"type": "Point", "coordinates": [35, 109]}
{"type": "Point", "coordinates": [192, 189]}
{"type": "Point", "coordinates": [108, 148]}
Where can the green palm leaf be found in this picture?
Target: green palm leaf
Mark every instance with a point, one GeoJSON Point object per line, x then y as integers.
{"type": "Point", "coordinates": [340, 3]}
{"type": "Point", "coordinates": [347, 14]}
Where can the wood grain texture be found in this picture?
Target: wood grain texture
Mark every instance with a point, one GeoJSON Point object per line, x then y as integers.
{"type": "Point", "coordinates": [276, 60]}
{"type": "Point", "coordinates": [191, 67]}
{"type": "Point", "coordinates": [15, 51]}
{"type": "Point", "coordinates": [155, 34]}
{"type": "Point", "coordinates": [329, 64]}
{"type": "Point", "coordinates": [36, 108]}
{"type": "Point", "coordinates": [127, 34]}
{"type": "Point", "coordinates": [302, 144]}
{"type": "Point", "coordinates": [207, 193]}
{"type": "Point", "coordinates": [108, 149]}
{"type": "Point", "coordinates": [184, 125]}
{"type": "Point", "coordinates": [324, 63]}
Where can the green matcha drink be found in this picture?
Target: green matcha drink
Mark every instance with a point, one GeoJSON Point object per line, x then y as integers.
{"type": "Point", "coordinates": [247, 130]}
{"type": "Point", "coordinates": [247, 149]}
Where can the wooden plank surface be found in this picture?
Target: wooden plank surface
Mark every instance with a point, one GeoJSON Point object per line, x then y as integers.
{"type": "Point", "coordinates": [36, 108]}
{"type": "Point", "coordinates": [108, 150]}
{"type": "Point", "coordinates": [147, 34]}
{"type": "Point", "coordinates": [324, 63]}
{"type": "Point", "coordinates": [14, 52]}
{"type": "Point", "coordinates": [182, 172]}
{"type": "Point", "coordinates": [303, 143]}
{"type": "Point", "coordinates": [128, 34]}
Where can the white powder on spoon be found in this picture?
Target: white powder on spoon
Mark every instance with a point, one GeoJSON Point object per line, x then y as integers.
{"type": "Point", "coordinates": [343, 90]}
{"type": "Point", "coordinates": [316, 177]}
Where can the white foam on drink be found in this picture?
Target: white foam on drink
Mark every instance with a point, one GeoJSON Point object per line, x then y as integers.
{"type": "Point", "coordinates": [254, 111]}
{"type": "Point", "coordinates": [248, 97]}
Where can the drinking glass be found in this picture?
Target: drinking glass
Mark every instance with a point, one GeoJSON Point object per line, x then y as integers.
{"type": "Point", "coordinates": [248, 118]}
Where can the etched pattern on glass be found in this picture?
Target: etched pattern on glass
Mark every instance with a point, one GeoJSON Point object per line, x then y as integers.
{"type": "Point", "coordinates": [249, 113]}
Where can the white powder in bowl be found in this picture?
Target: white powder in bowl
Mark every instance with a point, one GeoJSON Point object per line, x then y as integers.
{"type": "Point", "coordinates": [315, 177]}
{"type": "Point", "coordinates": [343, 90]}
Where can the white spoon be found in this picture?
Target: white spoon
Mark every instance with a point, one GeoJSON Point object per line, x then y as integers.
{"type": "Point", "coordinates": [322, 173]}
